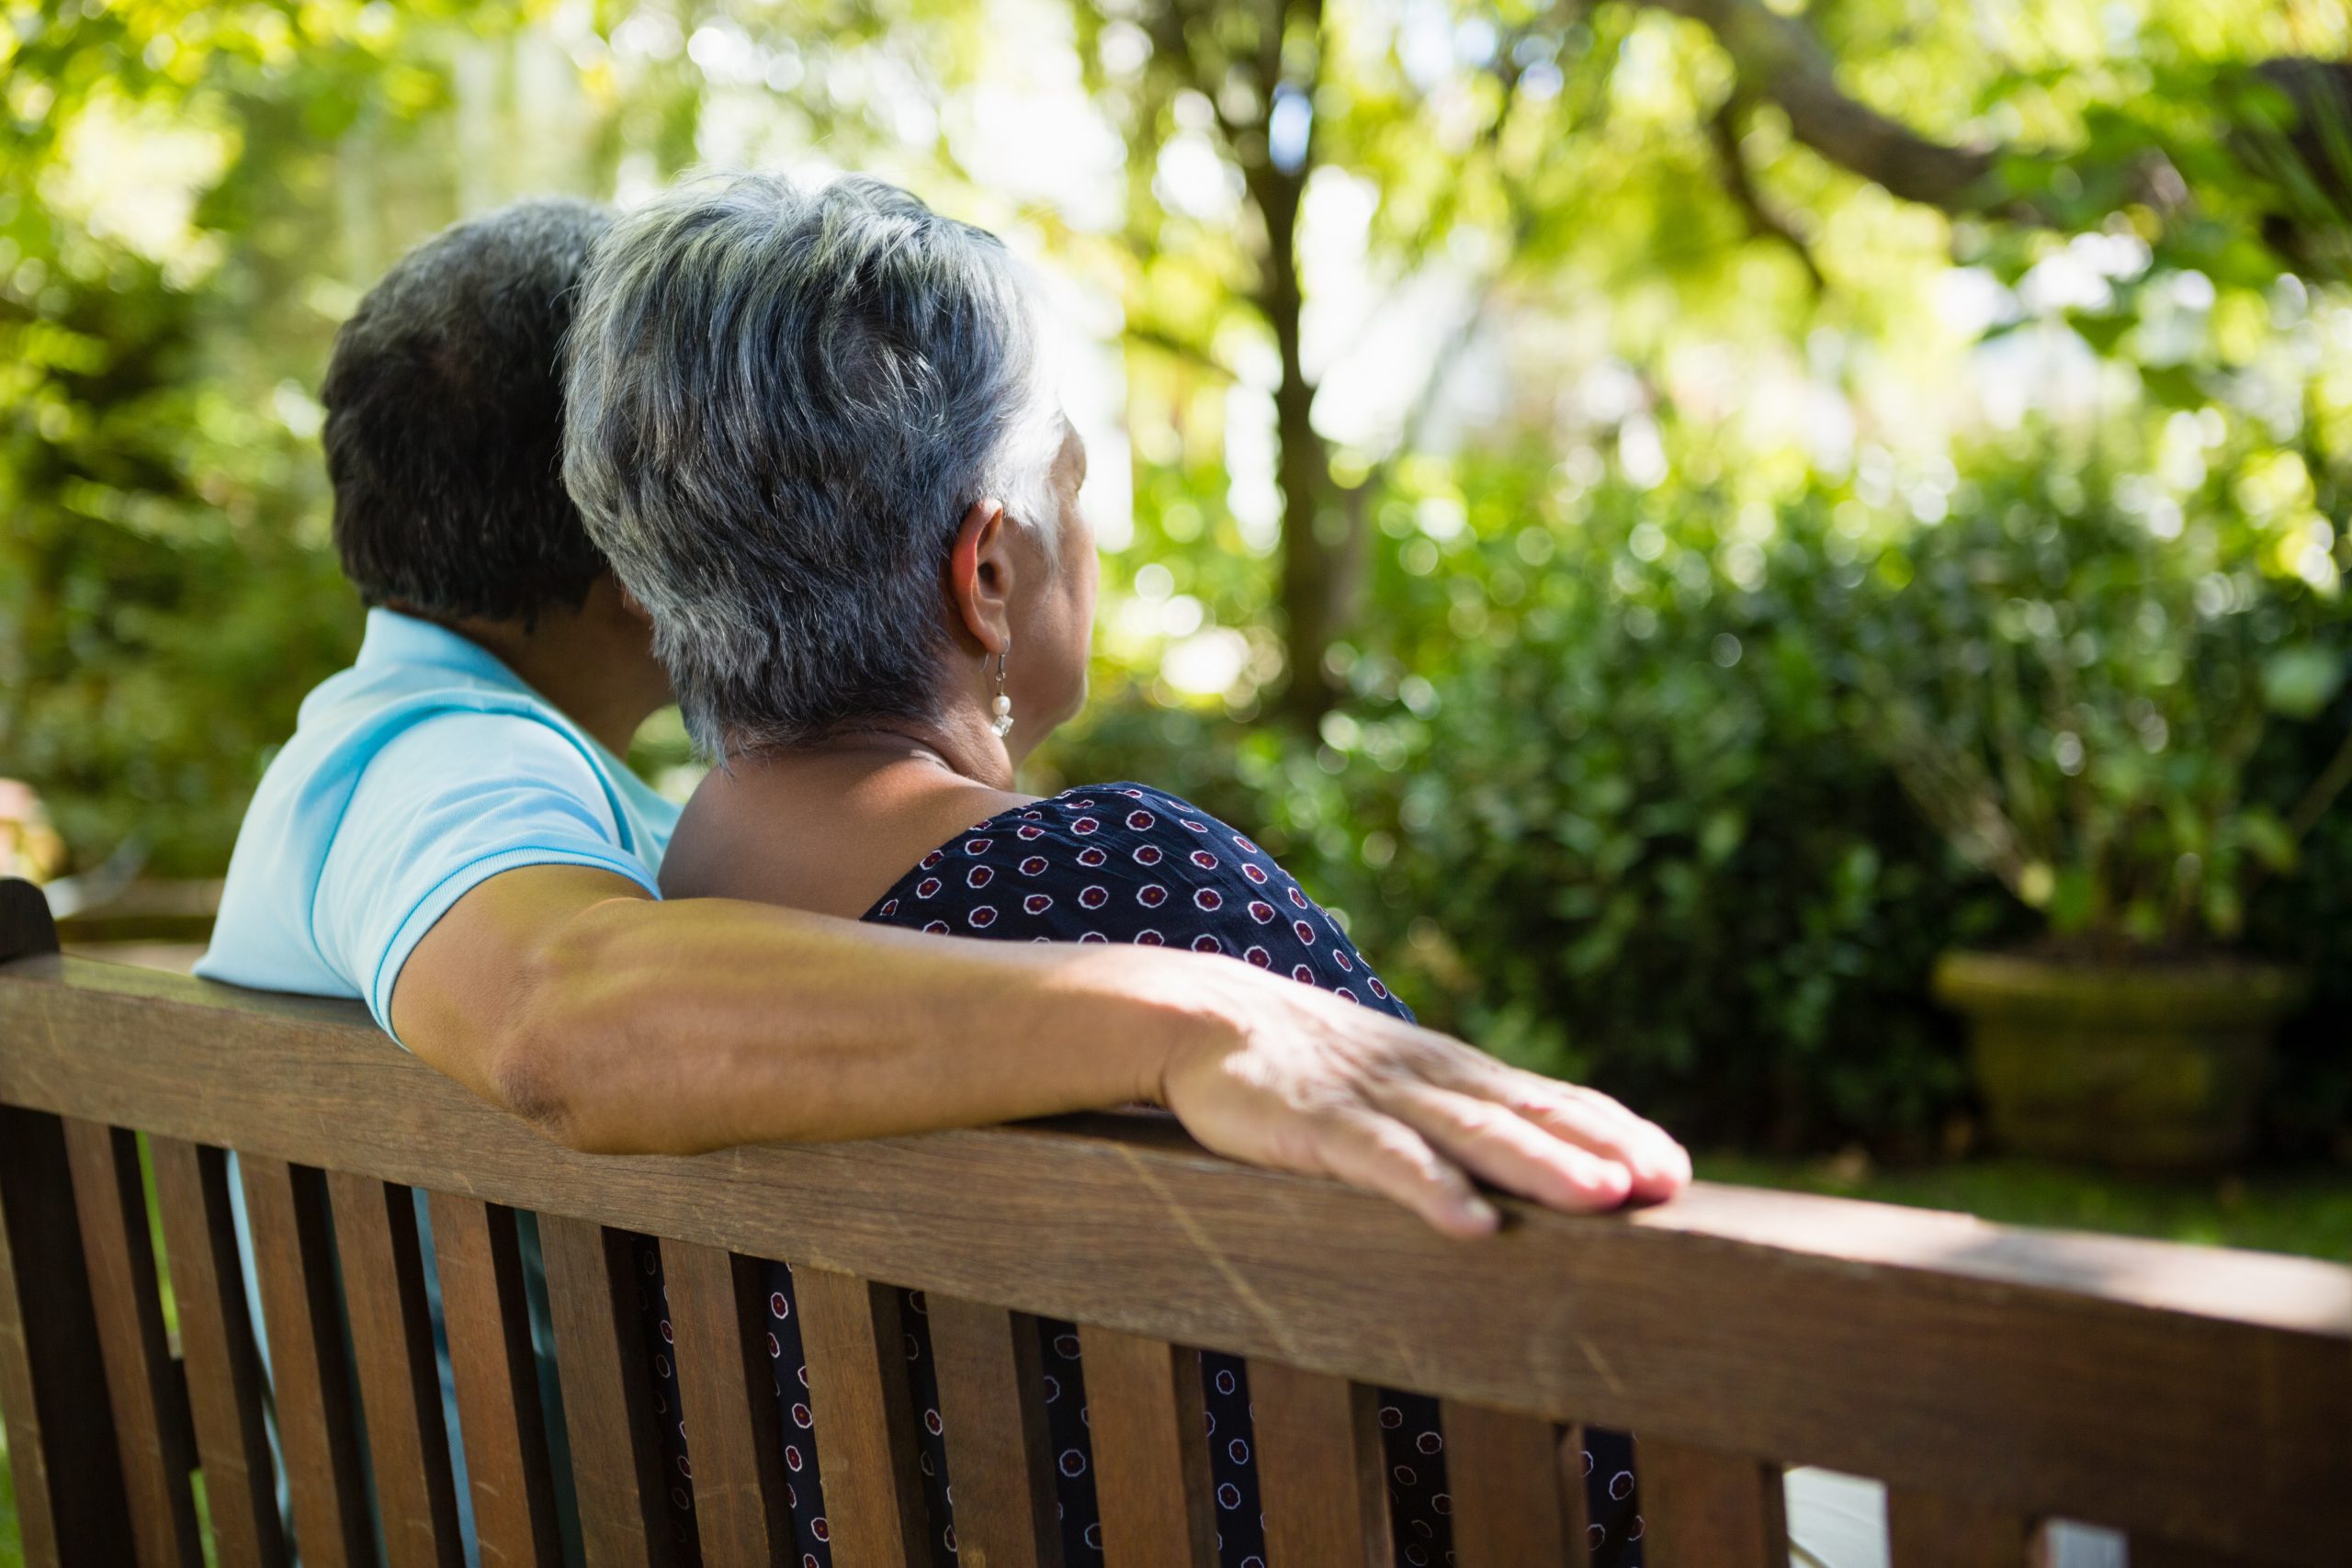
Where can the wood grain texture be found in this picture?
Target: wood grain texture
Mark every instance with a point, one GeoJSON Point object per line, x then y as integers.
{"type": "Point", "coordinates": [400, 1381]}
{"type": "Point", "coordinates": [1705, 1509]}
{"type": "Point", "coordinates": [607, 1396]}
{"type": "Point", "coordinates": [217, 1347]}
{"type": "Point", "coordinates": [717, 1309]}
{"type": "Point", "coordinates": [999, 1453]}
{"type": "Point", "coordinates": [1926, 1530]}
{"type": "Point", "coordinates": [478, 1258]}
{"type": "Point", "coordinates": [1147, 1414]}
{"type": "Point", "coordinates": [72, 1507]}
{"type": "Point", "coordinates": [1319, 1468]}
{"type": "Point", "coordinates": [853, 1334]}
{"type": "Point", "coordinates": [2051, 1375]}
{"type": "Point", "coordinates": [1512, 1503]}
{"type": "Point", "coordinates": [310, 1363]}
{"type": "Point", "coordinates": [143, 1383]}
{"type": "Point", "coordinates": [2147, 1551]}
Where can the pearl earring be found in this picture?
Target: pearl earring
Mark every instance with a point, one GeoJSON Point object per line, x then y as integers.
{"type": "Point", "coordinates": [1002, 705]}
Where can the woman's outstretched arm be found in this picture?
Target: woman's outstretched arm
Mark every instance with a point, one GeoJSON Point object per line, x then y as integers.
{"type": "Point", "coordinates": [620, 1023]}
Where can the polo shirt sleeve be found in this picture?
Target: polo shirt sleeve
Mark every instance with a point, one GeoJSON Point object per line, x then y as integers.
{"type": "Point", "coordinates": [446, 805]}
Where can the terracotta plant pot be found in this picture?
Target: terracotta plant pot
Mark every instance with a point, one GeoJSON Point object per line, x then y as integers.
{"type": "Point", "coordinates": [2145, 1065]}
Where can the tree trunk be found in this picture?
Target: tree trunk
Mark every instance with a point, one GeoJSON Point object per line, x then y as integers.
{"type": "Point", "coordinates": [1319, 531]}
{"type": "Point", "coordinates": [1318, 534]}
{"type": "Point", "coordinates": [1315, 545]}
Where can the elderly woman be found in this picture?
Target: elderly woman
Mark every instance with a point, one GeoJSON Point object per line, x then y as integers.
{"type": "Point", "coordinates": [809, 428]}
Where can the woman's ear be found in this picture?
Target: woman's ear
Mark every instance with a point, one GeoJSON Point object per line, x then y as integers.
{"type": "Point", "coordinates": [980, 576]}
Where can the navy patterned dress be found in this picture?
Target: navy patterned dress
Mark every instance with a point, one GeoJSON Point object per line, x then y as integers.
{"type": "Point", "coordinates": [1123, 863]}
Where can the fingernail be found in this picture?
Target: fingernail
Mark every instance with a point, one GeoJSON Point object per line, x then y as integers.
{"type": "Point", "coordinates": [1668, 1168]}
{"type": "Point", "coordinates": [1612, 1182]}
{"type": "Point", "coordinates": [1483, 1214]}
{"type": "Point", "coordinates": [1657, 1168]}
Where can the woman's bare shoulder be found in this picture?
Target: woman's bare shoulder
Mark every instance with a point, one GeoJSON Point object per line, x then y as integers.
{"type": "Point", "coordinates": [825, 838]}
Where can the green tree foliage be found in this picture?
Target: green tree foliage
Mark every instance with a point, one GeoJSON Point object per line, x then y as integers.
{"type": "Point", "coordinates": [191, 198]}
{"type": "Point", "coordinates": [1566, 146]}
{"type": "Point", "coordinates": [1581, 453]}
{"type": "Point", "coordinates": [1597, 847]}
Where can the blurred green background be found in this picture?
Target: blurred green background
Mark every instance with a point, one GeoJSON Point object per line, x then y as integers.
{"type": "Point", "coordinates": [1621, 496]}
{"type": "Point", "coordinates": [1669, 514]}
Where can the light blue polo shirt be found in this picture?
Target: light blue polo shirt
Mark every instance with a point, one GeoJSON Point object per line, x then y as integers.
{"type": "Point", "coordinates": [412, 778]}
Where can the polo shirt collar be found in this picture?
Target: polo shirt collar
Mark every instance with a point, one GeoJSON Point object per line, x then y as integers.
{"type": "Point", "coordinates": [392, 638]}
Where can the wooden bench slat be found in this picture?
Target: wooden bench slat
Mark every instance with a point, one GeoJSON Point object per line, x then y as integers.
{"type": "Point", "coordinates": [1148, 1419]}
{"type": "Point", "coordinates": [224, 1376]}
{"type": "Point", "coordinates": [1705, 1509]}
{"type": "Point", "coordinates": [477, 1256]}
{"type": "Point", "coordinates": [1517, 1489]}
{"type": "Point", "coordinates": [70, 1500]}
{"type": "Point", "coordinates": [718, 1303]}
{"type": "Point", "coordinates": [309, 1361]}
{"type": "Point", "coordinates": [853, 1334]}
{"type": "Point", "coordinates": [1930, 1529]}
{"type": "Point", "coordinates": [999, 1453]}
{"type": "Point", "coordinates": [607, 1396]}
{"type": "Point", "coordinates": [2151, 1551]}
{"type": "Point", "coordinates": [400, 1381]}
{"type": "Point", "coordinates": [141, 1382]}
{"type": "Point", "coordinates": [1319, 1468]}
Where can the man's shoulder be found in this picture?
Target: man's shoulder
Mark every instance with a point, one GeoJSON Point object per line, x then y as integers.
{"type": "Point", "coordinates": [394, 777]}
{"type": "Point", "coordinates": [360, 710]}
{"type": "Point", "coordinates": [264, 934]}
{"type": "Point", "coordinates": [427, 735]}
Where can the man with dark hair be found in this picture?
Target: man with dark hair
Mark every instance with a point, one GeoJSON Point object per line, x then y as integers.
{"type": "Point", "coordinates": [450, 836]}
{"type": "Point", "coordinates": [443, 412]}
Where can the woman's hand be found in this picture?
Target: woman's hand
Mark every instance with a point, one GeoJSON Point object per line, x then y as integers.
{"type": "Point", "coordinates": [1289, 1076]}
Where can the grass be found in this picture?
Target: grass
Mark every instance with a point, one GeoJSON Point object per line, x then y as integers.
{"type": "Point", "coordinates": [2306, 1211]}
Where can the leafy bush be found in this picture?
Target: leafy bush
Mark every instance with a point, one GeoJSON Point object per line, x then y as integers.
{"type": "Point", "coordinates": [1609, 795]}
{"type": "Point", "coordinates": [2074, 693]}
{"type": "Point", "coordinates": [165, 592]}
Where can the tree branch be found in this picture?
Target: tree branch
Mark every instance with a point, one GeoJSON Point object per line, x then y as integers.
{"type": "Point", "coordinates": [2331, 782]}
{"type": "Point", "coordinates": [1723, 129]}
{"type": "Point", "coordinates": [1169, 344]}
{"type": "Point", "coordinates": [1779, 59]}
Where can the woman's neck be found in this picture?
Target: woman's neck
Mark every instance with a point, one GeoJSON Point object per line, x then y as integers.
{"type": "Point", "coordinates": [830, 826]}
{"type": "Point", "coordinates": [961, 743]}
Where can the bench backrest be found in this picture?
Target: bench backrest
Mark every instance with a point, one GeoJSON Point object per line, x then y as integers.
{"type": "Point", "coordinates": [2198, 1399]}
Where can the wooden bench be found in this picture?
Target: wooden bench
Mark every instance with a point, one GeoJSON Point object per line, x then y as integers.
{"type": "Point", "coordinates": [2198, 1400]}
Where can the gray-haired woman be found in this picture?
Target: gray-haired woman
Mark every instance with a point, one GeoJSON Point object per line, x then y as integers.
{"type": "Point", "coordinates": [810, 428]}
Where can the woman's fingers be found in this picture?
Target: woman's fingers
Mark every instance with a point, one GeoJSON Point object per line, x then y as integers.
{"type": "Point", "coordinates": [1585, 1117]}
{"type": "Point", "coordinates": [1661, 1167]}
{"type": "Point", "coordinates": [1413, 1116]}
{"type": "Point", "coordinates": [1379, 1154]}
{"type": "Point", "coordinates": [1495, 1144]}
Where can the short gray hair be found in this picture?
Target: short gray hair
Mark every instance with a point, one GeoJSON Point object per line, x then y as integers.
{"type": "Point", "coordinates": [781, 400]}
